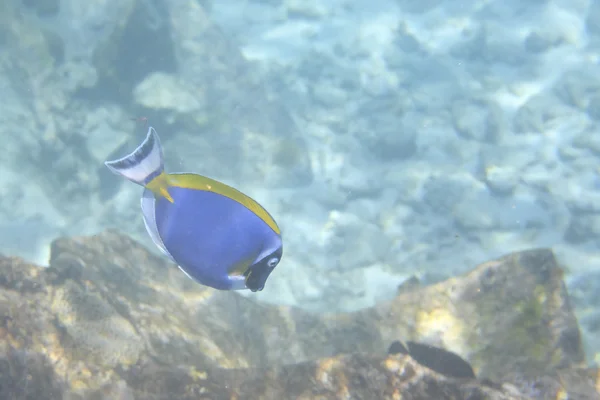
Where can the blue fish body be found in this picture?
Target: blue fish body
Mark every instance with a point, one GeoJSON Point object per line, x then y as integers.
{"type": "Point", "coordinates": [204, 239]}
{"type": "Point", "coordinates": [215, 234]}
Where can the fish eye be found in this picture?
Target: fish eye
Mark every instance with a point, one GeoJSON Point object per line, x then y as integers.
{"type": "Point", "coordinates": [273, 262]}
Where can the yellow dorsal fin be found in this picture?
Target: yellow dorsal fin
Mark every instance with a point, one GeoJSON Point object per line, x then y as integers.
{"type": "Point", "coordinates": [199, 182]}
{"type": "Point", "coordinates": [160, 186]}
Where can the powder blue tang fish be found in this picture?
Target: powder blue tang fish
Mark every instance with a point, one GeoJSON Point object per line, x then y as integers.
{"type": "Point", "coordinates": [217, 235]}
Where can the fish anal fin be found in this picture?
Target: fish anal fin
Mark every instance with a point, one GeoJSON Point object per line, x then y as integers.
{"type": "Point", "coordinates": [149, 213]}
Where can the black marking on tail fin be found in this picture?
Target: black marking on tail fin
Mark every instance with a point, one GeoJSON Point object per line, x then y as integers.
{"type": "Point", "coordinates": [137, 156]}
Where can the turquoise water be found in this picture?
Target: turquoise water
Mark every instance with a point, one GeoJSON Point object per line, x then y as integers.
{"type": "Point", "coordinates": [390, 138]}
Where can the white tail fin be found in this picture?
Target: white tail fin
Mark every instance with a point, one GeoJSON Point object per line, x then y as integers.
{"type": "Point", "coordinates": [143, 164]}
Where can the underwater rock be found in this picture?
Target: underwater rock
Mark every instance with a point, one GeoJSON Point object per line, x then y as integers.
{"type": "Point", "coordinates": [539, 113]}
{"type": "Point", "coordinates": [390, 138]}
{"type": "Point", "coordinates": [302, 9]}
{"type": "Point", "coordinates": [342, 377]}
{"type": "Point", "coordinates": [583, 226]}
{"type": "Point", "coordinates": [501, 180]}
{"type": "Point", "coordinates": [161, 91]}
{"type": "Point", "coordinates": [477, 119]}
{"type": "Point", "coordinates": [578, 86]}
{"type": "Point", "coordinates": [541, 41]}
{"type": "Point", "coordinates": [36, 142]}
{"type": "Point", "coordinates": [108, 319]}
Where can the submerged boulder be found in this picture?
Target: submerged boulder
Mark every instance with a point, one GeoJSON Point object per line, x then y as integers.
{"type": "Point", "coordinates": [108, 319]}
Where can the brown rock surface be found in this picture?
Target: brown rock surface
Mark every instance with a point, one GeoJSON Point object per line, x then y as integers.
{"type": "Point", "coordinates": [109, 320]}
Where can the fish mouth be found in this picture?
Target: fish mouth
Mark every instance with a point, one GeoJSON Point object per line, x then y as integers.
{"type": "Point", "coordinates": [257, 274]}
{"type": "Point", "coordinates": [256, 278]}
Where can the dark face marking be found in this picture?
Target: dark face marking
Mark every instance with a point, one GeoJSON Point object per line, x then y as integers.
{"type": "Point", "coordinates": [257, 274]}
